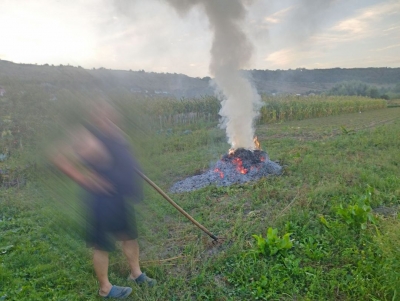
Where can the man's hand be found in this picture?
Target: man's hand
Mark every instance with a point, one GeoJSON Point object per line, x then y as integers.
{"type": "Point", "coordinates": [85, 178]}
{"type": "Point", "coordinates": [95, 183]}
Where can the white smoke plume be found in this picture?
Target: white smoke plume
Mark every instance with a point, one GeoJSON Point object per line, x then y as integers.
{"type": "Point", "coordinates": [231, 51]}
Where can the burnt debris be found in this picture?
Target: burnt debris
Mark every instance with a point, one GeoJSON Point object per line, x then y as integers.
{"type": "Point", "coordinates": [237, 167]}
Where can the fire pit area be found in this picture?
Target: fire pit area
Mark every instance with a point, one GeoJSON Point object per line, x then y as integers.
{"type": "Point", "coordinates": [237, 167]}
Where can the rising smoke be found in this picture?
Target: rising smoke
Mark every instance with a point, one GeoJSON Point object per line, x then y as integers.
{"type": "Point", "coordinates": [231, 51]}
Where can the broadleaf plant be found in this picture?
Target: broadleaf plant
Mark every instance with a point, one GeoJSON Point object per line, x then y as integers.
{"type": "Point", "coordinates": [273, 244]}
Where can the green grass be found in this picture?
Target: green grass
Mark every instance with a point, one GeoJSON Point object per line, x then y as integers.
{"type": "Point", "coordinates": [328, 161]}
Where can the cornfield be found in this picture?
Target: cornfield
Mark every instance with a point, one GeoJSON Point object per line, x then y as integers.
{"type": "Point", "coordinates": [290, 107]}
{"type": "Point", "coordinates": [167, 112]}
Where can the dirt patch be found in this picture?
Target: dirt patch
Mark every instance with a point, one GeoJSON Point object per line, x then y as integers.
{"type": "Point", "coordinates": [387, 211]}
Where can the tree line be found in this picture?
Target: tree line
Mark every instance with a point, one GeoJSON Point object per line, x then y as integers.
{"type": "Point", "coordinates": [358, 88]}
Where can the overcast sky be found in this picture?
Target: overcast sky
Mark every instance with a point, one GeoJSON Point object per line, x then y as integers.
{"type": "Point", "coordinates": [150, 35]}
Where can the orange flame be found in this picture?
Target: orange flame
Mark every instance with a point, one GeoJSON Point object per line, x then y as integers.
{"type": "Point", "coordinates": [257, 145]}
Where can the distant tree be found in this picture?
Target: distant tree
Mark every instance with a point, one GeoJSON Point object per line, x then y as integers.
{"type": "Point", "coordinates": [373, 92]}
{"type": "Point", "coordinates": [350, 88]}
{"type": "Point", "coordinates": [397, 88]}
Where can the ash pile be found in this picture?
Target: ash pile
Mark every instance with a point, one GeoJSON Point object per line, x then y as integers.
{"type": "Point", "coordinates": [237, 167]}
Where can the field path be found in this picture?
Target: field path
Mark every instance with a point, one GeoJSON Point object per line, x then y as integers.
{"type": "Point", "coordinates": [327, 127]}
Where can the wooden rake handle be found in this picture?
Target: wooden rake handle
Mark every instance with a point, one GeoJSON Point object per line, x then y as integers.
{"type": "Point", "coordinates": [160, 191]}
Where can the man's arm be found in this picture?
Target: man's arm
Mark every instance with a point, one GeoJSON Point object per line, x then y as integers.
{"type": "Point", "coordinates": [67, 157]}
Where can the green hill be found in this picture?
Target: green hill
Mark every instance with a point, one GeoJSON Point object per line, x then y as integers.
{"type": "Point", "coordinates": [297, 81]}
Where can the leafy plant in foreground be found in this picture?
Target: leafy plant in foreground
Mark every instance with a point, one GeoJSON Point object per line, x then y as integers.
{"type": "Point", "coordinates": [359, 214]}
{"type": "Point", "coordinates": [272, 244]}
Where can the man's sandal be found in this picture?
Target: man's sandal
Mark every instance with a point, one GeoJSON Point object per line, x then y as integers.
{"type": "Point", "coordinates": [118, 292]}
{"type": "Point", "coordinates": [143, 279]}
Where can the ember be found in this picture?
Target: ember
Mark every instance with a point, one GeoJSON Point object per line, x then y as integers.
{"type": "Point", "coordinates": [238, 166]}
{"type": "Point", "coordinates": [221, 174]}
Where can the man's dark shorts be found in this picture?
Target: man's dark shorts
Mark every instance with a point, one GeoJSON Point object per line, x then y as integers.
{"type": "Point", "coordinates": [110, 218]}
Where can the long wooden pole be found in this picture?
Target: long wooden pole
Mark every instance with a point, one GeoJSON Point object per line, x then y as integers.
{"type": "Point", "coordinates": [160, 191]}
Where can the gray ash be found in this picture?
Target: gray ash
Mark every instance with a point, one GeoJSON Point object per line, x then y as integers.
{"type": "Point", "coordinates": [241, 166]}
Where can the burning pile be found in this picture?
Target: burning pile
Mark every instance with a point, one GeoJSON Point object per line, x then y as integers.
{"type": "Point", "coordinates": [231, 51]}
{"type": "Point", "coordinates": [238, 166]}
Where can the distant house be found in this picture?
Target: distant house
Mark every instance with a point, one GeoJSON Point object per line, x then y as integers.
{"type": "Point", "coordinates": [46, 85]}
{"type": "Point", "coordinates": [160, 92]}
{"type": "Point", "coordinates": [2, 91]}
{"type": "Point", "coordinates": [135, 90]}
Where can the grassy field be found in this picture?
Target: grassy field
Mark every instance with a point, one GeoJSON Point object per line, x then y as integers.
{"type": "Point", "coordinates": [336, 169]}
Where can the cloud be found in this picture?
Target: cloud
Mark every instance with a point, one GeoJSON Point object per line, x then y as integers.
{"type": "Point", "coordinates": [292, 57]}
{"type": "Point", "coordinates": [365, 20]}
{"type": "Point", "coordinates": [391, 28]}
{"type": "Point", "coordinates": [388, 47]}
{"type": "Point", "coordinates": [150, 35]}
{"type": "Point", "coordinates": [354, 26]}
{"type": "Point", "coordinates": [351, 40]}
{"type": "Point", "coordinates": [363, 61]}
{"type": "Point", "coordinates": [281, 57]}
{"type": "Point", "coordinates": [278, 16]}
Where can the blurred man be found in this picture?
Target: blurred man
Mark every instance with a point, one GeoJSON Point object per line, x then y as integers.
{"type": "Point", "coordinates": [97, 157]}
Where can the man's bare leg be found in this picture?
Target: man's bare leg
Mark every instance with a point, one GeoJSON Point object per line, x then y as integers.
{"type": "Point", "coordinates": [100, 262]}
{"type": "Point", "coordinates": [131, 251]}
